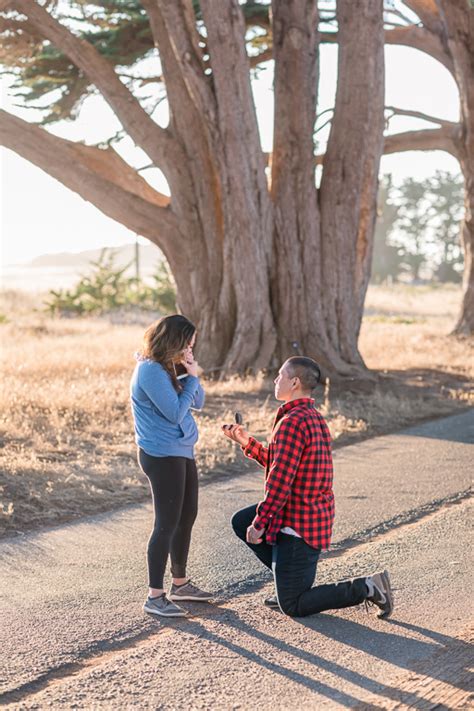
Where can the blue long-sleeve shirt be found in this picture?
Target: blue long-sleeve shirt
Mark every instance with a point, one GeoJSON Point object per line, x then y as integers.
{"type": "Point", "coordinates": [164, 425]}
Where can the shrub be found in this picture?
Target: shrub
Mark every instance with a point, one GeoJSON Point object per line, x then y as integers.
{"type": "Point", "coordinates": [107, 288]}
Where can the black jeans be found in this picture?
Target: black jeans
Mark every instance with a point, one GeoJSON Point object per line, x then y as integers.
{"type": "Point", "coordinates": [174, 486]}
{"type": "Point", "coordinates": [294, 563]}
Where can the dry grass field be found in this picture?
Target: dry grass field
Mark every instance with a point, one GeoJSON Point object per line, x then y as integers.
{"type": "Point", "coordinates": [66, 442]}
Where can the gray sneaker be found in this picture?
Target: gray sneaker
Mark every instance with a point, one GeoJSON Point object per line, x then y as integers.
{"type": "Point", "coordinates": [190, 592]}
{"type": "Point", "coordinates": [163, 607]}
{"type": "Point", "coordinates": [380, 592]}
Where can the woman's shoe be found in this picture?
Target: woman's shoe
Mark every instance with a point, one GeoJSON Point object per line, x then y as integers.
{"type": "Point", "coordinates": [189, 592]}
{"type": "Point", "coordinates": [162, 606]}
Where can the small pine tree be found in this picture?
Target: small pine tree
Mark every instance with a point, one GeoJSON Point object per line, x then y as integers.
{"type": "Point", "coordinates": [107, 288]}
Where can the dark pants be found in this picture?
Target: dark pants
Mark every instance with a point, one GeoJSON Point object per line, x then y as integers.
{"type": "Point", "coordinates": [174, 486]}
{"type": "Point", "coordinates": [294, 563]}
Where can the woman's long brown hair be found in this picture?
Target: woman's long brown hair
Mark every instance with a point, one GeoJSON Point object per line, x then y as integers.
{"type": "Point", "coordinates": [165, 340]}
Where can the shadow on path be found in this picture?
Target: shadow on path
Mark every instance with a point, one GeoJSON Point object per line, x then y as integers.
{"type": "Point", "coordinates": [392, 648]}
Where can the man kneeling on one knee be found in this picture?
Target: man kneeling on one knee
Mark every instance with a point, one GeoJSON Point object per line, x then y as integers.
{"type": "Point", "coordinates": [292, 524]}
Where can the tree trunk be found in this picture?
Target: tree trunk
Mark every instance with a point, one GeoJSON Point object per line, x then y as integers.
{"type": "Point", "coordinates": [243, 188]}
{"type": "Point", "coordinates": [350, 176]}
{"type": "Point", "coordinates": [322, 253]}
{"type": "Point", "coordinates": [459, 22]}
{"type": "Point", "coordinates": [296, 264]}
{"type": "Point", "coordinates": [222, 198]}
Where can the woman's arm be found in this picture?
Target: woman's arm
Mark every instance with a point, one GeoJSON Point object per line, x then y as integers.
{"type": "Point", "coordinates": [199, 398]}
{"type": "Point", "coordinates": [156, 384]}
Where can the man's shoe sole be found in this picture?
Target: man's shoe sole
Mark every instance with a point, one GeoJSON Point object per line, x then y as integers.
{"type": "Point", "coordinates": [189, 598]}
{"type": "Point", "coordinates": [272, 604]}
{"type": "Point", "coordinates": [150, 611]}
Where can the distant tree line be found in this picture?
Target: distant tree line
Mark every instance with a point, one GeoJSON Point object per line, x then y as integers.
{"type": "Point", "coordinates": [418, 228]}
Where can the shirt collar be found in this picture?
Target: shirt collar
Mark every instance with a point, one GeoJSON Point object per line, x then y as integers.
{"type": "Point", "coordinates": [299, 402]}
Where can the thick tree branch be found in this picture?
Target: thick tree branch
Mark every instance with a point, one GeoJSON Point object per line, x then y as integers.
{"type": "Point", "coordinates": [258, 59]}
{"type": "Point", "coordinates": [395, 111]}
{"type": "Point", "coordinates": [431, 139]}
{"type": "Point", "coordinates": [174, 28]}
{"type": "Point", "coordinates": [183, 71]}
{"type": "Point", "coordinates": [98, 176]}
{"type": "Point", "coordinates": [154, 140]}
{"type": "Point", "coordinates": [230, 71]}
{"type": "Point", "coordinates": [446, 139]}
{"type": "Point", "coordinates": [409, 36]}
{"type": "Point", "coordinates": [421, 39]}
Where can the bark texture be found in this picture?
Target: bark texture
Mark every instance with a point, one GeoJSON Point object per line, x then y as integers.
{"type": "Point", "coordinates": [296, 257]}
{"type": "Point", "coordinates": [350, 175]}
{"type": "Point", "coordinates": [221, 193]}
{"type": "Point", "coordinates": [323, 248]}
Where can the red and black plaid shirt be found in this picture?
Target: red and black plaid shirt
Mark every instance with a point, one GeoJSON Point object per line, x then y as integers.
{"type": "Point", "coordinates": [298, 475]}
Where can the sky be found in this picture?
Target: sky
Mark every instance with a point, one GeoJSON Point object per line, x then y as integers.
{"type": "Point", "coordinates": [41, 216]}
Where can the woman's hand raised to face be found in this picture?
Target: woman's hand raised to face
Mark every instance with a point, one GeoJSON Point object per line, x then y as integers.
{"type": "Point", "coordinates": [190, 364]}
{"type": "Point", "coordinates": [237, 434]}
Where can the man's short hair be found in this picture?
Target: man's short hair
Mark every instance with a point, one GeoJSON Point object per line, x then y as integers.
{"type": "Point", "coordinates": [306, 369]}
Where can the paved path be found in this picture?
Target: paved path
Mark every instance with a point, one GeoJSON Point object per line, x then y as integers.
{"type": "Point", "coordinates": [74, 636]}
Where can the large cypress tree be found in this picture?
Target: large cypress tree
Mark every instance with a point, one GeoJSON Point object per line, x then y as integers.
{"type": "Point", "coordinates": [265, 263]}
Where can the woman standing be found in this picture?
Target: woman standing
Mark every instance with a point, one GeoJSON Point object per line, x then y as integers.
{"type": "Point", "coordinates": [165, 432]}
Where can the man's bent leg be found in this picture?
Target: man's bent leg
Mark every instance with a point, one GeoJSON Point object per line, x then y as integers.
{"type": "Point", "coordinates": [294, 569]}
{"type": "Point", "coordinates": [240, 521]}
{"type": "Point", "coordinates": [334, 596]}
{"type": "Point", "coordinates": [295, 566]}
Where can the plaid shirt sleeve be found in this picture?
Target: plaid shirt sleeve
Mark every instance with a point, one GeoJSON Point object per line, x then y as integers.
{"type": "Point", "coordinates": [288, 446]}
{"type": "Point", "coordinates": [256, 450]}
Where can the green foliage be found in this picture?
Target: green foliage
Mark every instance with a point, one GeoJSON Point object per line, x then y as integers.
{"type": "Point", "coordinates": [107, 288]}
{"type": "Point", "coordinates": [118, 29]}
{"type": "Point", "coordinates": [418, 228]}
